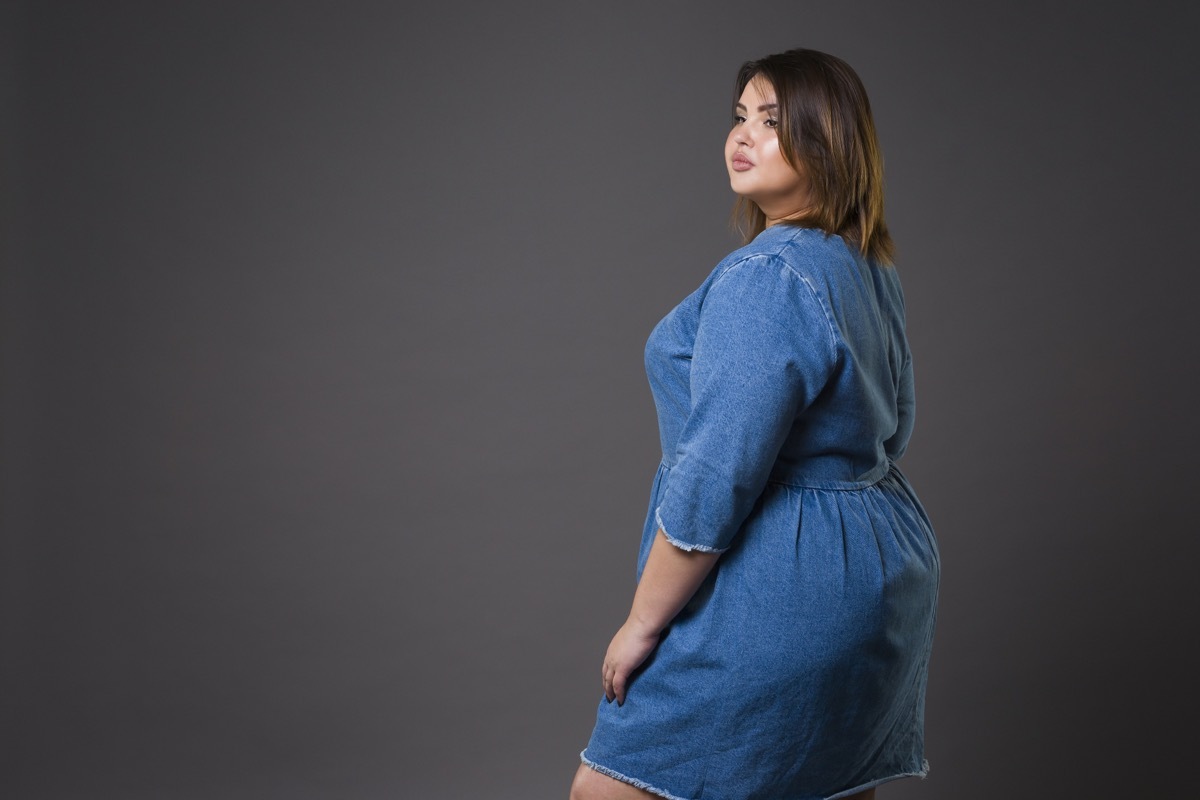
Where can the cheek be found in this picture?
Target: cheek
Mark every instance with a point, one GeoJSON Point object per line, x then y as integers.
{"type": "Point", "coordinates": [773, 155]}
{"type": "Point", "coordinates": [770, 150]}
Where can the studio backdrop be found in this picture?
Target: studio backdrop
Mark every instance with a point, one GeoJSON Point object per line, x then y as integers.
{"type": "Point", "coordinates": [326, 437]}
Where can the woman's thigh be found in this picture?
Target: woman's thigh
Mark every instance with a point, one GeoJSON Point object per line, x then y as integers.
{"type": "Point", "coordinates": [592, 785]}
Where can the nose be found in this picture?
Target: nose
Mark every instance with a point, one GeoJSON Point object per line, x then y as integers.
{"type": "Point", "coordinates": [741, 135]}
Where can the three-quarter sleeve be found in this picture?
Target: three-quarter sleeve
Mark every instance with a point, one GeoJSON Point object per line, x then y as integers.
{"type": "Point", "coordinates": [905, 412]}
{"type": "Point", "coordinates": [764, 349]}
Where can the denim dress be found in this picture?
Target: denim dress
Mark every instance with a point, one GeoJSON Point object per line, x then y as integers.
{"type": "Point", "coordinates": [784, 391]}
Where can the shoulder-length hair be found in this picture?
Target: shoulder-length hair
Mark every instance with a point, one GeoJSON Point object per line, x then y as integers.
{"type": "Point", "coordinates": [826, 130]}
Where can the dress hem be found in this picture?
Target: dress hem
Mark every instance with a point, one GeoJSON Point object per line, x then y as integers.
{"type": "Point", "coordinates": [634, 782]}
{"type": "Point", "coordinates": [646, 787]}
{"type": "Point", "coordinates": [862, 787]}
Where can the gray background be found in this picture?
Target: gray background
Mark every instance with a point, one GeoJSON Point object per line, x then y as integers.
{"type": "Point", "coordinates": [326, 441]}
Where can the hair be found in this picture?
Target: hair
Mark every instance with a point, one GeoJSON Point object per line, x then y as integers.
{"type": "Point", "coordinates": [826, 130]}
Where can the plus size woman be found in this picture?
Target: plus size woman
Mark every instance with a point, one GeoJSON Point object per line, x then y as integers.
{"type": "Point", "coordinates": [779, 639]}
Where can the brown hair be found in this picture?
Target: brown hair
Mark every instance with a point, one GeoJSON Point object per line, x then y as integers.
{"type": "Point", "coordinates": [826, 129]}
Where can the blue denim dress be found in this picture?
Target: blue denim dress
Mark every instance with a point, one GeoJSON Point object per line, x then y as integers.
{"type": "Point", "coordinates": [784, 390]}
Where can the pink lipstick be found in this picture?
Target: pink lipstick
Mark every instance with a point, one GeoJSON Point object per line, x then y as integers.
{"type": "Point", "coordinates": [740, 163]}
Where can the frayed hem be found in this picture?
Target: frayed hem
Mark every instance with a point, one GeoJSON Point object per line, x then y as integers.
{"type": "Point", "coordinates": [634, 782]}
{"type": "Point", "coordinates": [638, 784]}
{"type": "Point", "coordinates": [862, 787]}
{"type": "Point", "coordinates": [687, 547]}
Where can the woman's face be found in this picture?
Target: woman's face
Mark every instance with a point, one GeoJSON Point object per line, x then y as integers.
{"type": "Point", "coordinates": [757, 168]}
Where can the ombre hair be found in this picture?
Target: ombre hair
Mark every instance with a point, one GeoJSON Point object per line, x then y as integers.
{"type": "Point", "coordinates": [825, 130]}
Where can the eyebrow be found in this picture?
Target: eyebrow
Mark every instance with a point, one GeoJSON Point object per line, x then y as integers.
{"type": "Point", "coordinates": [766, 107]}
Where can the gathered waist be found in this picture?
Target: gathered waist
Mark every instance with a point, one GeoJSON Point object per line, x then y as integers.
{"type": "Point", "coordinates": [823, 473]}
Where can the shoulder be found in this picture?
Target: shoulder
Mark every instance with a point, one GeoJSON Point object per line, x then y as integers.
{"type": "Point", "coordinates": [786, 256]}
{"type": "Point", "coordinates": [775, 281]}
{"type": "Point", "coordinates": [807, 254]}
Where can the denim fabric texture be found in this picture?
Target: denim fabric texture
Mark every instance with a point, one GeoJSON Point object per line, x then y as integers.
{"type": "Point", "coordinates": [784, 391]}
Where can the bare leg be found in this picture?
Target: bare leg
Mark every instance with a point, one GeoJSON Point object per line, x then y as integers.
{"type": "Point", "coordinates": [592, 785]}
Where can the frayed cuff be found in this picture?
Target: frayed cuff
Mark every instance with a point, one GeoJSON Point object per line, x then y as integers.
{"type": "Point", "coordinates": [682, 545]}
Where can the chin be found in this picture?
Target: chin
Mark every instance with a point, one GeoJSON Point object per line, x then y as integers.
{"type": "Point", "coordinates": [740, 187]}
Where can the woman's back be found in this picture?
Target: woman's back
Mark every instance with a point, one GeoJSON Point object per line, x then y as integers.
{"type": "Point", "coordinates": [864, 415]}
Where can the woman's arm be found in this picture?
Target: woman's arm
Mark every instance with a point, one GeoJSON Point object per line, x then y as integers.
{"type": "Point", "coordinates": [764, 349]}
{"type": "Point", "coordinates": [669, 579]}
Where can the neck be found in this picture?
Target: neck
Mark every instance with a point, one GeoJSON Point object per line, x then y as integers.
{"type": "Point", "coordinates": [774, 217]}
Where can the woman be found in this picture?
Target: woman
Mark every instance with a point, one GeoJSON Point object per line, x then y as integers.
{"type": "Point", "coordinates": [779, 639]}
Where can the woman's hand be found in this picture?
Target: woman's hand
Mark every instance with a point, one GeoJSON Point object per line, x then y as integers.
{"type": "Point", "coordinates": [669, 579]}
{"type": "Point", "coordinates": [628, 649]}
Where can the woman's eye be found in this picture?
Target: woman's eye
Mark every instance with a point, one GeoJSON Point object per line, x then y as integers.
{"type": "Point", "coordinates": [771, 123]}
{"type": "Point", "coordinates": [738, 119]}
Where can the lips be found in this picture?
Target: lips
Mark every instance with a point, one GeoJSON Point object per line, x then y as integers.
{"type": "Point", "coordinates": [740, 163]}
